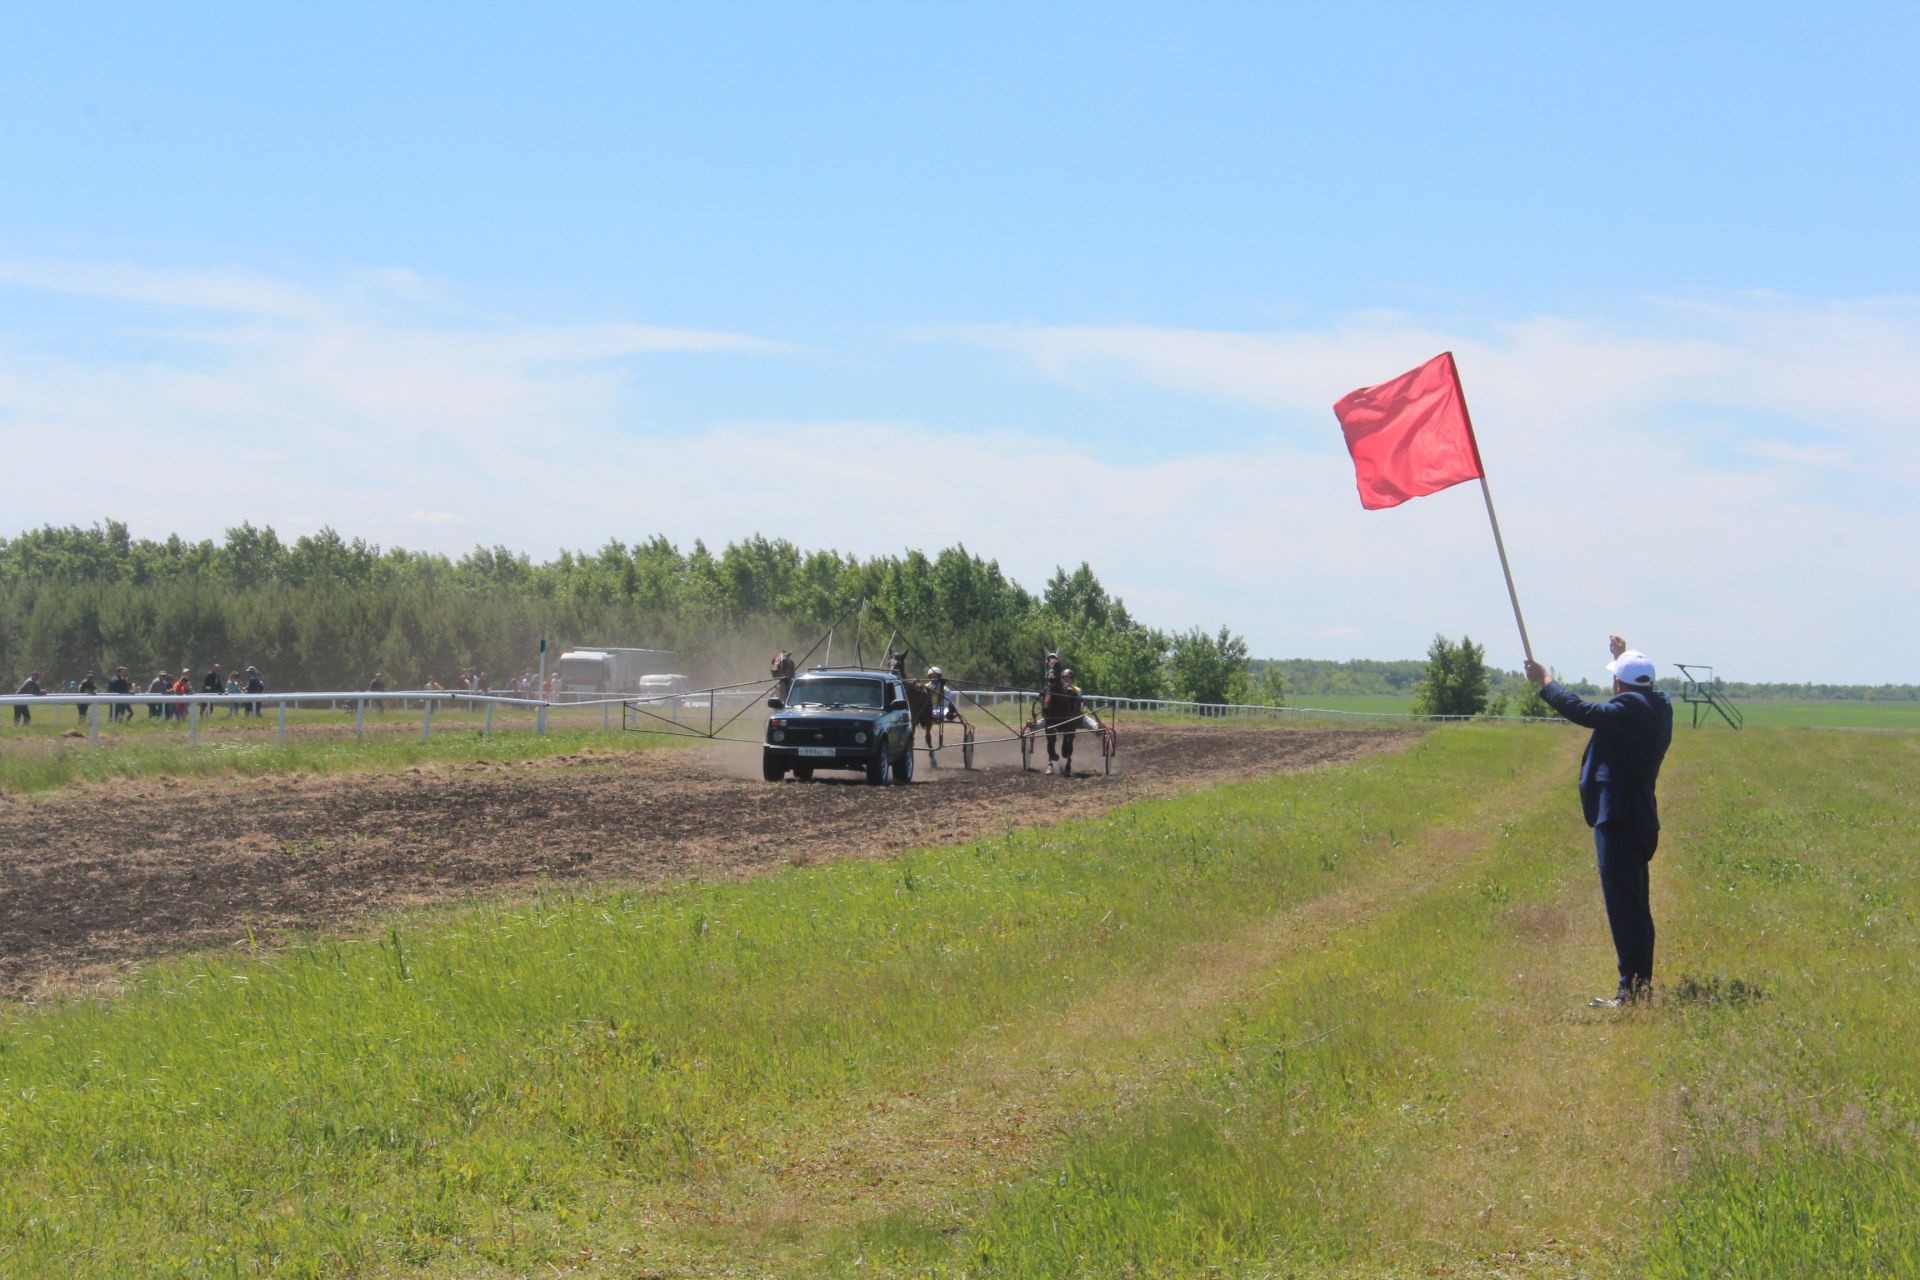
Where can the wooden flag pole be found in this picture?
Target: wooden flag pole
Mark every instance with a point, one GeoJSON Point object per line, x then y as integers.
{"type": "Point", "coordinates": [1500, 546]}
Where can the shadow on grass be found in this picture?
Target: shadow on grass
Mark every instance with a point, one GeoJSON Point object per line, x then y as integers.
{"type": "Point", "coordinates": [1715, 992]}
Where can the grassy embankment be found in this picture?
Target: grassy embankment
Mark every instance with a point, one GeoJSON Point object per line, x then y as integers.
{"type": "Point", "coordinates": [1322, 1025]}
{"type": "Point", "coordinates": [55, 751]}
{"type": "Point", "coordinates": [1815, 713]}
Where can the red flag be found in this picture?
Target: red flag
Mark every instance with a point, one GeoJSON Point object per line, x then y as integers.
{"type": "Point", "coordinates": [1411, 436]}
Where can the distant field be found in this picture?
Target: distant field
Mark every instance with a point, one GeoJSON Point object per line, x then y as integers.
{"type": "Point", "coordinates": [1326, 1025]}
{"type": "Point", "coordinates": [54, 751]}
{"type": "Point", "coordinates": [1822, 714]}
{"type": "Point", "coordinates": [1811, 714]}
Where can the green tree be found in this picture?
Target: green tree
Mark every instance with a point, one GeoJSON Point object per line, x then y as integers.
{"type": "Point", "coordinates": [1456, 681]}
{"type": "Point", "coordinates": [1204, 668]}
{"type": "Point", "coordinates": [1528, 702]}
{"type": "Point", "coordinates": [1270, 686]}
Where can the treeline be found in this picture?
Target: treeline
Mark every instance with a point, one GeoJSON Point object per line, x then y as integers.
{"type": "Point", "coordinates": [326, 612]}
{"type": "Point", "coordinates": [1813, 692]}
{"type": "Point", "coordinates": [1307, 677]}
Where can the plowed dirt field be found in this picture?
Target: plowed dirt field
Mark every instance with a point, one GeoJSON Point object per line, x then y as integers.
{"type": "Point", "coordinates": [94, 879]}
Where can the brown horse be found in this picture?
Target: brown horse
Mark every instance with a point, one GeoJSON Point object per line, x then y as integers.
{"type": "Point", "coordinates": [920, 705]}
{"type": "Point", "coordinates": [781, 670]}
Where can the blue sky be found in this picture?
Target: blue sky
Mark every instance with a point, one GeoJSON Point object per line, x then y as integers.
{"type": "Point", "coordinates": [489, 275]}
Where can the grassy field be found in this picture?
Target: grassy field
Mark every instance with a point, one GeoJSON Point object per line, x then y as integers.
{"type": "Point", "coordinates": [1807, 714]}
{"type": "Point", "coordinates": [55, 751]}
{"type": "Point", "coordinates": [1370, 702]}
{"type": "Point", "coordinates": [1822, 714]}
{"type": "Point", "coordinates": [1329, 1025]}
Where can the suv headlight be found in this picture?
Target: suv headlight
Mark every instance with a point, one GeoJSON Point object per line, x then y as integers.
{"type": "Point", "coordinates": [861, 736]}
{"type": "Point", "coordinates": [778, 735]}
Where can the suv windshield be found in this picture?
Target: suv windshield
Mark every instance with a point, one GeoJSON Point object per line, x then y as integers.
{"type": "Point", "coordinates": [831, 691]}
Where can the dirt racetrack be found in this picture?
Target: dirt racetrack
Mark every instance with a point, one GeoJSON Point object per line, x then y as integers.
{"type": "Point", "coordinates": [96, 878]}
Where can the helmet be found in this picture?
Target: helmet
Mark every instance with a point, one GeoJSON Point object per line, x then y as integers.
{"type": "Point", "coordinates": [933, 671]}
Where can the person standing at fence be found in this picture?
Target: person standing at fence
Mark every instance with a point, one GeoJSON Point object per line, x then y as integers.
{"type": "Point", "coordinates": [182, 688]}
{"type": "Point", "coordinates": [255, 685]}
{"type": "Point", "coordinates": [159, 684]}
{"type": "Point", "coordinates": [86, 685]}
{"type": "Point", "coordinates": [214, 683]}
{"type": "Point", "coordinates": [120, 684]}
{"type": "Point", "coordinates": [29, 688]}
{"type": "Point", "coordinates": [1631, 733]}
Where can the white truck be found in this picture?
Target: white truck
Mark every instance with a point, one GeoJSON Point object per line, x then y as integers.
{"type": "Point", "coordinates": [610, 671]}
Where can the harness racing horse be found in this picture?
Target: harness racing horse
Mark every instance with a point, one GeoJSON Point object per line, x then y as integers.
{"type": "Point", "coordinates": [927, 712]}
{"type": "Point", "coordinates": [781, 669]}
{"type": "Point", "coordinates": [1064, 714]}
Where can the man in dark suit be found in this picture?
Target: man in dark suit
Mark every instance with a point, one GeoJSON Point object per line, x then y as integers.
{"type": "Point", "coordinates": [1631, 732]}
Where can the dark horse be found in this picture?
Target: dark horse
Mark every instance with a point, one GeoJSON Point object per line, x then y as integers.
{"type": "Point", "coordinates": [927, 713]}
{"type": "Point", "coordinates": [781, 669]}
{"type": "Point", "coordinates": [1064, 714]}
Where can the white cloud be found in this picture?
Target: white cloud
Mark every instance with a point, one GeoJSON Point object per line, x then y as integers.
{"type": "Point", "coordinates": [1751, 460]}
{"type": "Point", "coordinates": [1770, 531]}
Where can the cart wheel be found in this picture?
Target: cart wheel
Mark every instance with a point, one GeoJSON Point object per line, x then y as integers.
{"type": "Point", "coordinates": [966, 748]}
{"type": "Point", "coordinates": [1109, 745]}
{"type": "Point", "coordinates": [1026, 748]}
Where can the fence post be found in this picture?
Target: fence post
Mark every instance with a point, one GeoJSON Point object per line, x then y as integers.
{"type": "Point", "coordinates": [540, 719]}
{"type": "Point", "coordinates": [93, 723]}
{"type": "Point", "coordinates": [359, 719]}
{"type": "Point", "coordinates": [280, 734]}
{"type": "Point", "coordinates": [426, 720]}
{"type": "Point", "coordinates": [606, 715]}
{"type": "Point", "coordinates": [193, 724]}
{"type": "Point", "coordinates": [488, 726]}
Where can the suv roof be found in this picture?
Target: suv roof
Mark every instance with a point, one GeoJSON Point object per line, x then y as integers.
{"type": "Point", "coordinates": [869, 672]}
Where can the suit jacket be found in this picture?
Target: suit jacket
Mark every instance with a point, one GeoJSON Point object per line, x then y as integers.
{"type": "Point", "coordinates": [1631, 733]}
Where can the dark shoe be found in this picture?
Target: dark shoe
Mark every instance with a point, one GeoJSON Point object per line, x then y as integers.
{"type": "Point", "coordinates": [1624, 997]}
{"type": "Point", "coordinates": [1067, 769]}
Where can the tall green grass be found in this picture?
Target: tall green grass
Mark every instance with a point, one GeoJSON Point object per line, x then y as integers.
{"type": "Point", "coordinates": [1324, 1025]}
{"type": "Point", "coordinates": [1803, 1086]}
{"type": "Point", "coordinates": [1387, 1106]}
{"type": "Point", "coordinates": [474, 1089]}
{"type": "Point", "coordinates": [1818, 713]}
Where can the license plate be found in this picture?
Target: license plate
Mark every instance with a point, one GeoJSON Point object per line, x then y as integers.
{"type": "Point", "coordinates": [817, 751]}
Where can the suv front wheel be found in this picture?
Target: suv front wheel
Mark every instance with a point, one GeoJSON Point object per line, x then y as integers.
{"type": "Point", "coordinates": [903, 765]}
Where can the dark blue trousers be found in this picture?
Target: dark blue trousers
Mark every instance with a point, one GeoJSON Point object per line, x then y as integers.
{"type": "Point", "coordinates": [1623, 856]}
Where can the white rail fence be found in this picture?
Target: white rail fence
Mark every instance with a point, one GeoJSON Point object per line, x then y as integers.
{"type": "Point", "coordinates": [193, 708]}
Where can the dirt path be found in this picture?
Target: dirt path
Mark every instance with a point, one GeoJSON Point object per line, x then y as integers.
{"type": "Point", "coordinates": [96, 878]}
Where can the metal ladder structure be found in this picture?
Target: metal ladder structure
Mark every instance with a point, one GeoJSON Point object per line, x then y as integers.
{"type": "Point", "coordinates": [1702, 693]}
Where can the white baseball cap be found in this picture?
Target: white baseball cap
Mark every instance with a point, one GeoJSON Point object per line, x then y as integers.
{"type": "Point", "coordinates": [1632, 667]}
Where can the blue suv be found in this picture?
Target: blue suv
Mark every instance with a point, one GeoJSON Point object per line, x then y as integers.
{"type": "Point", "coordinates": [843, 719]}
